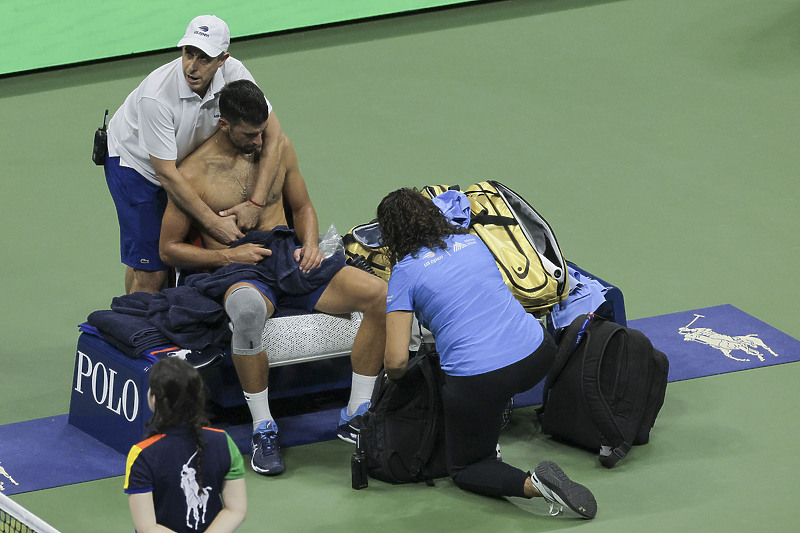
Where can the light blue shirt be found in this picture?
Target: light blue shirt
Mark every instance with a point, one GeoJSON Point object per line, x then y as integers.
{"type": "Point", "coordinates": [458, 294]}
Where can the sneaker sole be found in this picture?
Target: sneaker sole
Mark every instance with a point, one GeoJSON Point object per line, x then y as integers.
{"type": "Point", "coordinates": [270, 472]}
{"type": "Point", "coordinates": [345, 436]}
{"type": "Point", "coordinates": [345, 431]}
{"type": "Point", "coordinates": [574, 495]}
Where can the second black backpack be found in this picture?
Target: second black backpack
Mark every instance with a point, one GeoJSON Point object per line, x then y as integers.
{"type": "Point", "coordinates": [402, 434]}
{"type": "Point", "coordinates": [605, 388]}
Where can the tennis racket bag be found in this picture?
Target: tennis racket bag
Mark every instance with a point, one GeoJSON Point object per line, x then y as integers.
{"type": "Point", "coordinates": [605, 388]}
{"type": "Point", "coordinates": [521, 241]}
{"type": "Point", "coordinates": [363, 250]}
{"type": "Point", "coordinates": [402, 434]}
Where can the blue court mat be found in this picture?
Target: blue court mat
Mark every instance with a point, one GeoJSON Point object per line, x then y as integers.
{"type": "Point", "coordinates": [48, 452]}
{"type": "Point", "coordinates": [716, 340]}
{"type": "Point", "coordinates": [708, 341]}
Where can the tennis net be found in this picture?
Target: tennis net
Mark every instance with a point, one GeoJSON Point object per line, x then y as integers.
{"type": "Point", "coordinates": [14, 518]}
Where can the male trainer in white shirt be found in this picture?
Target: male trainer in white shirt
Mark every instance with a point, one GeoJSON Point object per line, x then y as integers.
{"type": "Point", "coordinates": [173, 111]}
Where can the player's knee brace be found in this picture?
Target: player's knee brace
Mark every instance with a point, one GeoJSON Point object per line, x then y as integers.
{"type": "Point", "coordinates": [248, 312]}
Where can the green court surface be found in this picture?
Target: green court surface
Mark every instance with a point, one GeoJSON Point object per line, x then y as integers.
{"type": "Point", "coordinates": [659, 139]}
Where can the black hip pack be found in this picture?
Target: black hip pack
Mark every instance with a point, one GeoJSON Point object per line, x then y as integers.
{"type": "Point", "coordinates": [605, 388]}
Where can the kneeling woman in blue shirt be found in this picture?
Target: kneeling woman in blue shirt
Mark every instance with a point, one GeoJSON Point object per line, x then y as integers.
{"type": "Point", "coordinates": [489, 347]}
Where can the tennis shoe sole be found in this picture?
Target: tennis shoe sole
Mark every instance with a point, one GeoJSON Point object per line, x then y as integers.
{"type": "Point", "coordinates": [559, 490]}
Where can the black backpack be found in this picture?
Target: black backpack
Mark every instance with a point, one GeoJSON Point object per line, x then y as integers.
{"type": "Point", "coordinates": [605, 388]}
{"type": "Point", "coordinates": [402, 434]}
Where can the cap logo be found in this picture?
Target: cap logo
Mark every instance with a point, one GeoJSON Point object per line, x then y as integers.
{"type": "Point", "coordinates": [208, 33]}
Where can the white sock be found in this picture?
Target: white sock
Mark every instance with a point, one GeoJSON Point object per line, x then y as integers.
{"type": "Point", "coordinates": [360, 391]}
{"type": "Point", "coordinates": [258, 403]}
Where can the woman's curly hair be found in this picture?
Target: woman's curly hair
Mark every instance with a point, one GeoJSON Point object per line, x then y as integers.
{"type": "Point", "coordinates": [409, 222]}
{"type": "Point", "coordinates": [180, 401]}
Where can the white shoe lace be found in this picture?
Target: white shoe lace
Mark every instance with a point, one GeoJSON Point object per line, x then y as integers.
{"type": "Point", "coordinates": [556, 507]}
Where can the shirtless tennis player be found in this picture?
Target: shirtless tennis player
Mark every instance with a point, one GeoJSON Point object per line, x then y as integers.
{"type": "Point", "coordinates": [221, 170]}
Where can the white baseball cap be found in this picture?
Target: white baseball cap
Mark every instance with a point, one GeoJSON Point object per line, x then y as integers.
{"type": "Point", "coordinates": [208, 33]}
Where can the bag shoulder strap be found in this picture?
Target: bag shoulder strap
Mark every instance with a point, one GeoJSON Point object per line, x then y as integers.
{"type": "Point", "coordinates": [597, 342]}
{"type": "Point", "coordinates": [488, 189]}
{"type": "Point", "coordinates": [497, 220]}
{"type": "Point", "coordinates": [432, 191]}
{"type": "Point", "coordinates": [570, 338]}
{"type": "Point", "coordinates": [430, 368]}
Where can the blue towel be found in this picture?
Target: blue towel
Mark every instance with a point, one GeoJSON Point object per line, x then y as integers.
{"type": "Point", "coordinates": [132, 335]}
{"type": "Point", "coordinates": [455, 206]}
{"type": "Point", "coordinates": [180, 316]}
{"type": "Point", "coordinates": [278, 269]}
{"type": "Point", "coordinates": [134, 304]}
{"type": "Point", "coordinates": [585, 296]}
{"type": "Point", "coordinates": [188, 318]}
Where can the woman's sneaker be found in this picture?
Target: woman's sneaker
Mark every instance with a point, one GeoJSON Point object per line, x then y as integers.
{"type": "Point", "coordinates": [560, 491]}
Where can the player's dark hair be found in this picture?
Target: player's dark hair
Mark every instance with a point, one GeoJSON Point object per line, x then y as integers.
{"type": "Point", "coordinates": [180, 401]}
{"type": "Point", "coordinates": [409, 221]}
{"type": "Point", "coordinates": [243, 101]}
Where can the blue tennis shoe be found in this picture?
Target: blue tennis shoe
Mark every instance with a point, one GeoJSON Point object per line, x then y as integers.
{"type": "Point", "coordinates": [266, 457]}
{"type": "Point", "coordinates": [350, 425]}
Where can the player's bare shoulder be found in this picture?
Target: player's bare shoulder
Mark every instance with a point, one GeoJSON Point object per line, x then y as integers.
{"type": "Point", "coordinates": [287, 173]}
{"type": "Point", "coordinates": [197, 166]}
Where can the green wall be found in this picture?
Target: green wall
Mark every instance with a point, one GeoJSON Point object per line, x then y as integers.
{"type": "Point", "coordinates": [48, 33]}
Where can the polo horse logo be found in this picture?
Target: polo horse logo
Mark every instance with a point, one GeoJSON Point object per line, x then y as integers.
{"type": "Point", "coordinates": [180, 354]}
{"type": "Point", "coordinates": [750, 344]}
{"type": "Point", "coordinates": [7, 476]}
{"type": "Point", "coordinates": [196, 499]}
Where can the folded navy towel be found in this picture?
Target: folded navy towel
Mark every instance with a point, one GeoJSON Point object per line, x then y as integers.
{"type": "Point", "coordinates": [135, 304]}
{"type": "Point", "coordinates": [130, 334]}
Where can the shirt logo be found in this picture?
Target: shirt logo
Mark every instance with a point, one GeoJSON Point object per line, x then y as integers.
{"type": "Point", "coordinates": [196, 498]}
{"type": "Point", "coordinates": [461, 245]}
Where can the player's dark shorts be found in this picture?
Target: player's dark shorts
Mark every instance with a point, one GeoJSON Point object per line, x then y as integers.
{"type": "Point", "coordinates": [289, 303]}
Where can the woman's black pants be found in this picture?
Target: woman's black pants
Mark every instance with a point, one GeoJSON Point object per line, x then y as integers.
{"type": "Point", "coordinates": [473, 418]}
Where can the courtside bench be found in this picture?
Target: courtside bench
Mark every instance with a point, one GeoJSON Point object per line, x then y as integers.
{"type": "Point", "coordinates": [306, 352]}
{"type": "Point", "coordinates": [109, 389]}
